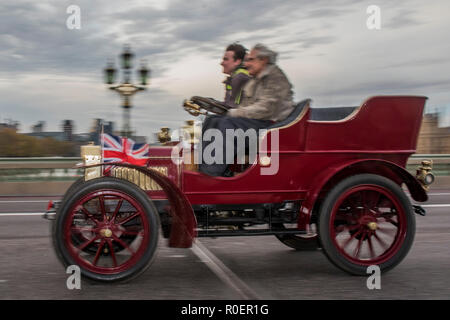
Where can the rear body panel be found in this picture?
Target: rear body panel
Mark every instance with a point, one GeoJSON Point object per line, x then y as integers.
{"type": "Point", "coordinates": [382, 128]}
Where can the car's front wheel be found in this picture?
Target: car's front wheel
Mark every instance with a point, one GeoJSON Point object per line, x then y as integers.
{"type": "Point", "coordinates": [109, 228]}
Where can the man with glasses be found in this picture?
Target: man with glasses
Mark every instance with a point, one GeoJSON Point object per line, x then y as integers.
{"type": "Point", "coordinates": [268, 95]}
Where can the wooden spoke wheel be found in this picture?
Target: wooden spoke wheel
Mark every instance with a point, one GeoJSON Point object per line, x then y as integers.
{"type": "Point", "coordinates": [366, 220]}
{"type": "Point", "coordinates": [109, 228]}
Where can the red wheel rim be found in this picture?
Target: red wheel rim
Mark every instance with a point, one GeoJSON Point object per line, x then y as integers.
{"type": "Point", "coordinates": [106, 232]}
{"type": "Point", "coordinates": [368, 225]}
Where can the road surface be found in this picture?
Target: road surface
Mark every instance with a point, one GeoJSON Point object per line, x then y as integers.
{"type": "Point", "coordinates": [237, 268]}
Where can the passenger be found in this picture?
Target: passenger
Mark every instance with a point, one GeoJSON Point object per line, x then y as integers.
{"type": "Point", "coordinates": [268, 95]}
{"type": "Point", "coordinates": [266, 98]}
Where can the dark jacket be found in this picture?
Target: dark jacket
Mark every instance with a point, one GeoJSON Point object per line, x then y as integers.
{"type": "Point", "coordinates": [233, 86]}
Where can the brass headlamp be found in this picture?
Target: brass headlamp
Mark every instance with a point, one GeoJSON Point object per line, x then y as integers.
{"type": "Point", "coordinates": [424, 175]}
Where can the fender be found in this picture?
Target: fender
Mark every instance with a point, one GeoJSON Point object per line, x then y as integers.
{"type": "Point", "coordinates": [336, 173]}
{"type": "Point", "coordinates": [184, 223]}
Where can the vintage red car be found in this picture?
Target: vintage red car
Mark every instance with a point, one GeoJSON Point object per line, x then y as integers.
{"type": "Point", "coordinates": [338, 187]}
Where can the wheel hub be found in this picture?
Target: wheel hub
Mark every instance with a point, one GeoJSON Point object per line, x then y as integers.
{"type": "Point", "coordinates": [372, 226]}
{"type": "Point", "coordinates": [369, 221]}
{"type": "Point", "coordinates": [106, 233]}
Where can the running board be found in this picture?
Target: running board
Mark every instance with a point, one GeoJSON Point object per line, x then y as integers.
{"type": "Point", "coordinates": [240, 233]}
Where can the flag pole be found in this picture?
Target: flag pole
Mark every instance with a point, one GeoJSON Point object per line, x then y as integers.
{"type": "Point", "coordinates": [102, 144]}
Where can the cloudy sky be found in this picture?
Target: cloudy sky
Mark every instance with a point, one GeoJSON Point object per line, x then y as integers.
{"type": "Point", "coordinates": [50, 72]}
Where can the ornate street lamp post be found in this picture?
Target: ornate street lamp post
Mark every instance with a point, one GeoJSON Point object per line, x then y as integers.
{"type": "Point", "coordinates": [126, 89]}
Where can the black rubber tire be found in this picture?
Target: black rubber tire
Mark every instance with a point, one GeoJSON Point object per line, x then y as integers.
{"type": "Point", "coordinates": [130, 189]}
{"type": "Point", "coordinates": [77, 183]}
{"type": "Point", "coordinates": [330, 250]}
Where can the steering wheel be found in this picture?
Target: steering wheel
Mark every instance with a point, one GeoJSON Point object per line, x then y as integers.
{"type": "Point", "coordinates": [201, 105]}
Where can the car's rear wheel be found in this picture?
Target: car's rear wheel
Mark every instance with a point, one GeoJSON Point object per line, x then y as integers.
{"type": "Point", "coordinates": [109, 228]}
{"type": "Point", "coordinates": [366, 220]}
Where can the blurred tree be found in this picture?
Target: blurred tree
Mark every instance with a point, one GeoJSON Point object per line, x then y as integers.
{"type": "Point", "coordinates": [13, 144]}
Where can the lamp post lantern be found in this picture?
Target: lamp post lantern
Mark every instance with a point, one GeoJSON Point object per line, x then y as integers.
{"type": "Point", "coordinates": [126, 89]}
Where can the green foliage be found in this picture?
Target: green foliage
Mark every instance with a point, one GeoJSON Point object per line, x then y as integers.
{"type": "Point", "coordinates": [13, 144]}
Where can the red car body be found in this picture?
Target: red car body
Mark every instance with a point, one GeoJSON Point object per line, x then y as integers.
{"type": "Point", "coordinates": [318, 159]}
{"type": "Point", "coordinates": [377, 137]}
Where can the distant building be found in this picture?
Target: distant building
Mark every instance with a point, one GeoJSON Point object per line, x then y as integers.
{"type": "Point", "coordinates": [82, 138]}
{"type": "Point", "coordinates": [98, 126]}
{"type": "Point", "coordinates": [39, 127]}
{"type": "Point", "coordinates": [38, 131]}
{"type": "Point", "coordinates": [67, 126]}
{"type": "Point", "coordinates": [10, 124]}
{"type": "Point", "coordinates": [67, 133]}
{"type": "Point", "coordinates": [58, 136]}
{"type": "Point", "coordinates": [432, 138]}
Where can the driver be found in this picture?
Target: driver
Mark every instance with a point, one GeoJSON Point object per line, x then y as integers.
{"type": "Point", "coordinates": [266, 98]}
{"type": "Point", "coordinates": [232, 64]}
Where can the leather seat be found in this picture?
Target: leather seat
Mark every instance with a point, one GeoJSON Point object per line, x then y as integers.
{"type": "Point", "coordinates": [330, 114]}
{"type": "Point", "coordinates": [294, 114]}
{"type": "Point", "coordinates": [317, 114]}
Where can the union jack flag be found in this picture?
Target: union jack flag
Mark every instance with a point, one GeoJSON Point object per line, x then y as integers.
{"type": "Point", "coordinates": [121, 149]}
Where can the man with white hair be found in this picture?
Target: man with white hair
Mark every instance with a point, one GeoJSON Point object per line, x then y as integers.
{"type": "Point", "coordinates": [266, 98]}
{"type": "Point", "coordinates": [268, 95]}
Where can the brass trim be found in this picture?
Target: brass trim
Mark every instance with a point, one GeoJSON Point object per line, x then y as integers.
{"type": "Point", "coordinates": [91, 154]}
{"type": "Point", "coordinates": [164, 135]}
{"type": "Point", "coordinates": [372, 226]}
{"type": "Point", "coordinates": [423, 171]}
{"type": "Point", "coordinates": [138, 178]}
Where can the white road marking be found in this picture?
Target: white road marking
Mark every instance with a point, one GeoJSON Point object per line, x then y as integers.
{"type": "Point", "coordinates": [10, 214]}
{"type": "Point", "coordinates": [435, 205]}
{"type": "Point", "coordinates": [223, 272]}
{"type": "Point", "coordinates": [431, 241]}
{"type": "Point", "coordinates": [25, 201]}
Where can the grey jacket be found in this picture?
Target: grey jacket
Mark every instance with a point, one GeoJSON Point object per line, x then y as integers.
{"type": "Point", "coordinates": [268, 96]}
